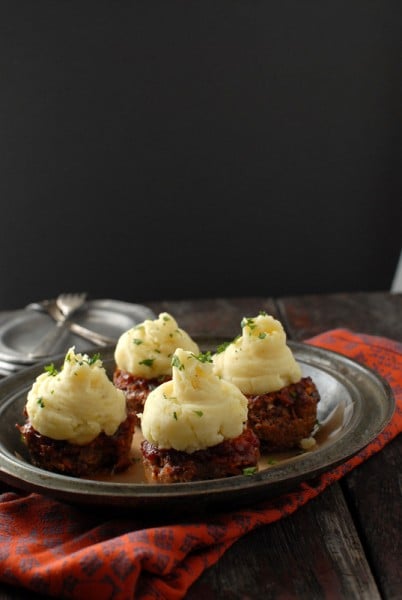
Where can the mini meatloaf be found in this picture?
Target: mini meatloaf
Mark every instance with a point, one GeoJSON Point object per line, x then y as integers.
{"type": "Point", "coordinates": [283, 418]}
{"type": "Point", "coordinates": [230, 457]}
{"type": "Point", "coordinates": [111, 453]}
{"type": "Point", "coordinates": [136, 388]}
{"type": "Point", "coordinates": [76, 421]}
{"type": "Point", "coordinates": [195, 425]}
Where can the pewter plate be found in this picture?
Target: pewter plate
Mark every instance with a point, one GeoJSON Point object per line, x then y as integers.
{"type": "Point", "coordinates": [356, 404]}
{"type": "Point", "coordinates": [21, 330]}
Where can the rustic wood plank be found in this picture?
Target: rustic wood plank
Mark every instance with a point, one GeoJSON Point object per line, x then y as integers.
{"type": "Point", "coordinates": [376, 313]}
{"type": "Point", "coordinates": [378, 483]}
{"type": "Point", "coordinates": [314, 554]}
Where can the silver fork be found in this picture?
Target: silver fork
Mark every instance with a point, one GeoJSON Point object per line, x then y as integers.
{"type": "Point", "coordinates": [68, 304]}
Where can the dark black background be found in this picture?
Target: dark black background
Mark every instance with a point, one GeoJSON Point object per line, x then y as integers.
{"type": "Point", "coordinates": [177, 149]}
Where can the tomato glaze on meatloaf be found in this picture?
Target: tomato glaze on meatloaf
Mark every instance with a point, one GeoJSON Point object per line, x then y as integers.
{"type": "Point", "coordinates": [110, 453]}
{"type": "Point", "coordinates": [281, 419]}
{"type": "Point", "coordinates": [136, 389]}
{"type": "Point", "coordinates": [226, 459]}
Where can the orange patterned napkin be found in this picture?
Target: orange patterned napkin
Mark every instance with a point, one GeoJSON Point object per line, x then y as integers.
{"type": "Point", "coordinates": [68, 552]}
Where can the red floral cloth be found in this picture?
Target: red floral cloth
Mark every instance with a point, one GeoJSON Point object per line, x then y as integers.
{"type": "Point", "coordinates": [68, 552]}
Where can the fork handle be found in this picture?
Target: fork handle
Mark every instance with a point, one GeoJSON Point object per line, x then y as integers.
{"type": "Point", "coordinates": [90, 335]}
{"type": "Point", "coordinates": [50, 342]}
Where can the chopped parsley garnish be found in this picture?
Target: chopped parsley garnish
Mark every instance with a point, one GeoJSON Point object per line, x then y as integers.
{"type": "Point", "coordinates": [199, 413]}
{"type": "Point", "coordinates": [204, 357]}
{"type": "Point", "coordinates": [176, 363]}
{"type": "Point", "coordinates": [51, 370]}
{"type": "Point", "coordinates": [175, 416]}
{"type": "Point", "coordinates": [92, 360]}
{"type": "Point", "coordinates": [250, 470]}
{"type": "Point", "coordinates": [248, 322]}
{"type": "Point", "coordinates": [84, 360]}
{"type": "Point", "coordinates": [137, 341]}
{"type": "Point", "coordinates": [262, 335]}
{"type": "Point", "coordinates": [148, 362]}
{"type": "Point", "coordinates": [222, 347]}
{"type": "Point", "coordinates": [40, 402]}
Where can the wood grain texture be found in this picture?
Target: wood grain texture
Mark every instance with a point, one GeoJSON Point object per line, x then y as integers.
{"type": "Point", "coordinates": [374, 494]}
{"type": "Point", "coordinates": [314, 554]}
{"type": "Point", "coordinates": [377, 313]}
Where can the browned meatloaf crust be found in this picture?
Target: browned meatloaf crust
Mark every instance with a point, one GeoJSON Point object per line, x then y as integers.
{"type": "Point", "coordinates": [104, 453]}
{"type": "Point", "coordinates": [136, 388]}
{"type": "Point", "coordinates": [228, 458]}
{"type": "Point", "coordinates": [282, 419]}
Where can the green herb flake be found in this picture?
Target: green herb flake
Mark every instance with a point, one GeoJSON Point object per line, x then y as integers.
{"type": "Point", "coordinates": [176, 363]}
{"type": "Point", "coordinates": [94, 358]}
{"type": "Point", "coordinates": [250, 471]}
{"type": "Point", "coordinates": [137, 341]}
{"type": "Point", "coordinates": [262, 335]}
{"type": "Point", "coordinates": [40, 402]}
{"type": "Point", "coordinates": [51, 370]}
{"type": "Point", "coordinates": [175, 416]}
{"type": "Point", "coordinates": [204, 357]}
{"type": "Point", "coordinates": [248, 322]}
{"type": "Point", "coordinates": [148, 362]}
{"type": "Point", "coordinates": [199, 413]}
{"type": "Point", "coordinates": [222, 347]}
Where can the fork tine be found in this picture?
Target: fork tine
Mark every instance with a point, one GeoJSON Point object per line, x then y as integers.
{"type": "Point", "coordinates": [69, 302]}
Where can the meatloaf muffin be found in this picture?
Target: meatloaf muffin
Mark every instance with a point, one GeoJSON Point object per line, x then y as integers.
{"type": "Point", "coordinates": [230, 457]}
{"type": "Point", "coordinates": [283, 419]}
{"type": "Point", "coordinates": [195, 426]}
{"type": "Point", "coordinates": [77, 422]}
{"type": "Point", "coordinates": [104, 453]}
{"type": "Point", "coordinates": [143, 357]}
{"type": "Point", "coordinates": [282, 405]}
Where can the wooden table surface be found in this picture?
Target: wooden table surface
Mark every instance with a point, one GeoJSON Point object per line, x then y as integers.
{"type": "Point", "coordinates": [344, 544]}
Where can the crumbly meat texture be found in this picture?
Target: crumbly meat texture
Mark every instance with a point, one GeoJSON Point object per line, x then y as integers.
{"type": "Point", "coordinates": [226, 459]}
{"type": "Point", "coordinates": [136, 388]}
{"type": "Point", "coordinates": [104, 453]}
{"type": "Point", "coordinates": [282, 419]}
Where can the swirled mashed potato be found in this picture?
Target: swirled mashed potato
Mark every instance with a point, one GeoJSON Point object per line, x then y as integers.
{"type": "Point", "coordinates": [77, 402]}
{"type": "Point", "coordinates": [146, 350]}
{"type": "Point", "coordinates": [259, 361]}
{"type": "Point", "coordinates": [195, 410]}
